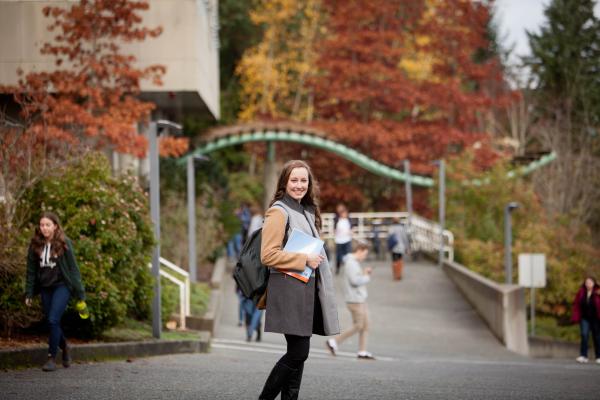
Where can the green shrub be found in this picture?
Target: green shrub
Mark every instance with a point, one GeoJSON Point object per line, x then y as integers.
{"type": "Point", "coordinates": [475, 214]}
{"type": "Point", "coordinates": [169, 300]}
{"type": "Point", "coordinates": [108, 220]}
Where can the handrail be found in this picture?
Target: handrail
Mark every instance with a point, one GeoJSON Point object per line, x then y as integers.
{"type": "Point", "coordinates": [182, 292]}
{"type": "Point", "coordinates": [186, 280]}
{"type": "Point", "coordinates": [184, 287]}
{"type": "Point", "coordinates": [425, 234]}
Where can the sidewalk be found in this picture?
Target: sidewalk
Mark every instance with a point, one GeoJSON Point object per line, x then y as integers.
{"type": "Point", "coordinates": [422, 315]}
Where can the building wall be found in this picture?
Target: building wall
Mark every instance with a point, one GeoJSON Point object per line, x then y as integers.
{"type": "Point", "coordinates": [188, 46]}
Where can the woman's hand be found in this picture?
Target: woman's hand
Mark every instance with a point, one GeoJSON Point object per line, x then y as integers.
{"type": "Point", "coordinates": [313, 260]}
{"type": "Point", "coordinates": [28, 301]}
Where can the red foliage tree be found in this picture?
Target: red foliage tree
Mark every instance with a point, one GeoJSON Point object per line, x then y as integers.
{"type": "Point", "coordinates": [91, 96]}
{"type": "Point", "coordinates": [364, 98]}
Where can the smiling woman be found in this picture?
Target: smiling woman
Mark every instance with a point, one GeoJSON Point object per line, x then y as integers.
{"type": "Point", "coordinates": [295, 308]}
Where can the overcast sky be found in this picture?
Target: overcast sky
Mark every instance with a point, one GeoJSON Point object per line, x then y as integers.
{"type": "Point", "coordinates": [516, 16]}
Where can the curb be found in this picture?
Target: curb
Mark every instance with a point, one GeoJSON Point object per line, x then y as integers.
{"type": "Point", "coordinates": [107, 351]}
{"type": "Point", "coordinates": [551, 348]}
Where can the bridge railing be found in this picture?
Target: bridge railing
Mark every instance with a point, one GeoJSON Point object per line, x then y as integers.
{"type": "Point", "coordinates": [425, 234]}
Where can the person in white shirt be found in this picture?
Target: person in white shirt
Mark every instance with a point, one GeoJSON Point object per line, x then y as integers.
{"type": "Point", "coordinates": [355, 283]}
{"type": "Point", "coordinates": [343, 236]}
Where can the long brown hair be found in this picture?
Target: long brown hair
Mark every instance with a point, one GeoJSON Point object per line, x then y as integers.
{"type": "Point", "coordinates": [593, 280]}
{"type": "Point", "coordinates": [310, 199]}
{"type": "Point", "coordinates": [58, 242]}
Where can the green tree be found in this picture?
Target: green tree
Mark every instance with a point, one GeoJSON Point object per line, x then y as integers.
{"type": "Point", "coordinates": [565, 69]}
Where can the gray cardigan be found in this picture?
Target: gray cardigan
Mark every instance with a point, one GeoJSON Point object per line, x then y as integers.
{"type": "Point", "coordinates": [293, 307]}
{"type": "Point", "coordinates": [355, 281]}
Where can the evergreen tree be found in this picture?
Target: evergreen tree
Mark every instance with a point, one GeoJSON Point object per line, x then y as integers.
{"type": "Point", "coordinates": [565, 67]}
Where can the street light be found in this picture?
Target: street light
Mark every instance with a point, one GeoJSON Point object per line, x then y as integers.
{"type": "Point", "coordinates": [508, 241]}
{"type": "Point", "coordinates": [442, 207]}
{"type": "Point", "coordinates": [191, 199]}
{"type": "Point", "coordinates": [155, 214]}
{"type": "Point", "coordinates": [408, 188]}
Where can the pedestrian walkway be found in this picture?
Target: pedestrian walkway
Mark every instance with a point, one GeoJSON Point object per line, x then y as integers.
{"type": "Point", "coordinates": [423, 315]}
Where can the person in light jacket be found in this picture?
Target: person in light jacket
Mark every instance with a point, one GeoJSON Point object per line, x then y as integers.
{"type": "Point", "coordinates": [294, 308]}
{"type": "Point", "coordinates": [53, 272]}
{"type": "Point", "coordinates": [355, 283]}
{"type": "Point", "coordinates": [586, 312]}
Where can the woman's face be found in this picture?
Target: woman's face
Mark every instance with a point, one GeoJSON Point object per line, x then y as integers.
{"type": "Point", "coordinates": [589, 284]}
{"type": "Point", "coordinates": [47, 227]}
{"type": "Point", "coordinates": [297, 184]}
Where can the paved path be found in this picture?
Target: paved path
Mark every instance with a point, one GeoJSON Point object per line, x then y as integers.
{"type": "Point", "coordinates": [430, 343]}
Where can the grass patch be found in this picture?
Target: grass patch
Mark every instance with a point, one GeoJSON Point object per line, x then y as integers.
{"type": "Point", "coordinates": [133, 330]}
{"type": "Point", "coordinates": [199, 298]}
{"type": "Point", "coordinates": [548, 327]}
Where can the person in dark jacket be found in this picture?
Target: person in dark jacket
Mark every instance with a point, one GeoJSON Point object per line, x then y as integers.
{"type": "Point", "coordinates": [53, 272]}
{"type": "Point", "coordinates": [293, 307]}
{"type": "Point", "coordinates": [586, 312]}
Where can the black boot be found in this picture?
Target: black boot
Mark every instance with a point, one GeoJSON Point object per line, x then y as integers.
{"type": "Point", "coordinates": [291, 388]}
{"type": "Point", "coordinates": [276, 380]}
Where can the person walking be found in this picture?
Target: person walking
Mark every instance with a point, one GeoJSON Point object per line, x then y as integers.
{"type": "Point", "coordinates": [342, 235]}
{"type": "Point", "coordinates": [294, 308]}
{"type": "Point", "coordinates": [252, 314]}
{"type": "Point", "coordinates": [399, 248]}
{"type": "Point", "coordinates": [355, 283]}
{"type": "Point", "coordinates": [257, 219]}
{"type": "Point", "coordinates": [53, 272]}
{"type": "Point", "coordinates": [586, 312]}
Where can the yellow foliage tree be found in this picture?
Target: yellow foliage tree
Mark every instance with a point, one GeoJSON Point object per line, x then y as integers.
{"type": "Point", "coordinates": [274, 73]}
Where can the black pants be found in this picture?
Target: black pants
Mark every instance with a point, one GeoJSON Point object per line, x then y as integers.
{"type": "Point", "coordinates": [587, 327]}
{"type": "Point", "coordinates": [297, 351]}
{"type": "Point", "coordinates": [396, 256]}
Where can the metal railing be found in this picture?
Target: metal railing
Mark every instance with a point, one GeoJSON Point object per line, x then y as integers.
{"type": "Point", "coordinates": [425, 234]}
{"type": "Point", "coordinates": [183, 284]}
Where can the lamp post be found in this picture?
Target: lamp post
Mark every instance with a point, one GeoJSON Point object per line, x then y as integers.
{"type": "Point", "coordinates": [408, 188]}
{"type": "Point", "coordinates": [155, 214]}
{"type": "Point", "coordinates": [442, 207]}
{"type": "Point", "coordinates": [191, 200]}
{"type": "Point", "coordinates": [508, 241]}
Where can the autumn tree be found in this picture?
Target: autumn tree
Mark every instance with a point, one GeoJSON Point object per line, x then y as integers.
{"type": "Point", "coordinates": [91, 95]}
{"type": "Point", "coordinates": [367, 94]}
{"type": "Point", "coordinates": [274, 74]}
{"type": "Point", "coordinates": [396, 80]}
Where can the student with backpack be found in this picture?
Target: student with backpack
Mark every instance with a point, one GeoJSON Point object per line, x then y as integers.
{"type": "Point", "coordinates": [294, 308]}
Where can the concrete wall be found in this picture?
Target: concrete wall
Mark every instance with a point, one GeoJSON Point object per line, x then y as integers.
{"type": "Point", "coordinates": [188, 46]}
{"type": "Point", "coordinates": [502, 307]}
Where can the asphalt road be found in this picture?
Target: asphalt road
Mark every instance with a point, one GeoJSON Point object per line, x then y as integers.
{"type": "Point", "coordinates": [429, 342]}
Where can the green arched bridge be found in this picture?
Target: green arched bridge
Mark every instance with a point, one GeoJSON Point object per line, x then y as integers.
{"type": "Point", "coordinates": [222, 137]}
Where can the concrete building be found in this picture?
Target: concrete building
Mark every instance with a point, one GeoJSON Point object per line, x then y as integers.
{"type": "Point", "coordinates": [188, 47]}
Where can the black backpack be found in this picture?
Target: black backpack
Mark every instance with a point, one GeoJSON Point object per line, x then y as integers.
{"type": "Point", "coordinates": [250, 274]}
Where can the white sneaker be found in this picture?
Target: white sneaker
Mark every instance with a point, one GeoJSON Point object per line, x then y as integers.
{"type": "Point", "coordinates": [597, 360]}
{"type": "Point", "coordinates": [365, 355]}
{"type": "Point", "coordinates": [332, 346]}
{"type": "Point", "coordinates": [582, 359]}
